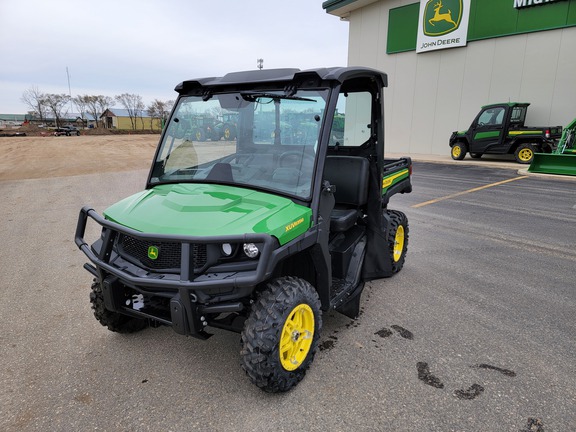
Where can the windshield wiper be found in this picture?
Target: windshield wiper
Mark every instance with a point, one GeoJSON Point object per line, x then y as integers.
{"type": "Point", "coordinates": [252, 96]}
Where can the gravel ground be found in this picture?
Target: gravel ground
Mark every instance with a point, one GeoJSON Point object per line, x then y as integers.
{"type": "Point", "coordinates": [476, 333]}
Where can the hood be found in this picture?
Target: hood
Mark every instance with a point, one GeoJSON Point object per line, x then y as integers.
{"type": "Point", "coordinates": [210, 210]}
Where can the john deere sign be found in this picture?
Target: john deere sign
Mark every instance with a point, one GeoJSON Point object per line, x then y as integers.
{"type": "Point", "coordinates": [442, 24]}
{"type": "Point", "coordinates": [410, 28]}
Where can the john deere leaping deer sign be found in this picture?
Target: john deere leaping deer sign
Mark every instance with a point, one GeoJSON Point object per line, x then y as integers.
{"type": "Point", "coordinates": [442, 24]}
{"type": "Point", "coordinates": [442, 17]}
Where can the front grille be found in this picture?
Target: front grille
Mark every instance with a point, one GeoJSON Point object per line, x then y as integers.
{"type": "Point", "coordinates": [168, 253]}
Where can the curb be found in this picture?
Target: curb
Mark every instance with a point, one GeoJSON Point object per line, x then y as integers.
{"type": "Point", "coordinates": [488, 163]}
{"type": "Point", "coordinates": [525, 172]}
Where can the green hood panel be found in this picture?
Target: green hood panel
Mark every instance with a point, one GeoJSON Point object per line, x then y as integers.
{"type": "Point", "coordinates": [210, 210]}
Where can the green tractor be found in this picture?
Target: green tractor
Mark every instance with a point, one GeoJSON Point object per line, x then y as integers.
{"type": "Point", "coordinates": [204, 127]}
{"type": "Point", "coordinates": [260, 235]}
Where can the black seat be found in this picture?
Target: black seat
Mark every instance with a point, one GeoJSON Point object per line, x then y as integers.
{"type": "Point", "coordinates": [221, 172]}
{"type": "Point", "coordinates": [350, 176]}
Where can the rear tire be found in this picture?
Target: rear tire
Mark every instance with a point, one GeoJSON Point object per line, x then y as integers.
{"type": "Point", "coordinates": [113, 320]}
{"type": "Point", "coordinates": [458, 151]}
{"type": "Point", "coordinates": [524, 153]}
{"type": "Point", "coordinates": [229, 132]}
{"type": "Point", "coordinates": [280, 336]}
{"type": "Point", "coordinates": [398, 239]}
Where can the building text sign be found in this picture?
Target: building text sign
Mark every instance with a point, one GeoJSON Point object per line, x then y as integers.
{"type": "Point", "coordinates": [443, 24]}
{"type": "Point", "coordinates": [518, 4]}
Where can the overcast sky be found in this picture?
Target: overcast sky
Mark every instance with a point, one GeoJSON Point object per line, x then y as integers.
{"type": "Point", "coordinates": [146, 47]}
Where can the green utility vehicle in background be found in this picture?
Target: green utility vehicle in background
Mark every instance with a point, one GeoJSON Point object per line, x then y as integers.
{"type": "Point", "coordinates": [500, 129]}
{"type": "Point", "coordinates": [262, 234]}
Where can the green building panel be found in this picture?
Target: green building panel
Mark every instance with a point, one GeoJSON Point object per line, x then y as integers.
{"type": "Point", "coordinates": [549, 16]}
{"type": "Point", "coordinates": [571, 18]}
{"type": "Point", "coordinates": [495, 18]}
{"type": "Point", "coordinates": [403, 27]}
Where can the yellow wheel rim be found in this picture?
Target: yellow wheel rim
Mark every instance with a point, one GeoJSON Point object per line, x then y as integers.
{"type": "Point", "coordinates": [398, 243]}
{"type": "Point", "coordinates": [296, 338]}
{"type": "Point", "coordinates": [456, 151]}
{"type": "Point", "coordinates": [226, 134]}
{"type": "Point", "coordinates": [525, 155]}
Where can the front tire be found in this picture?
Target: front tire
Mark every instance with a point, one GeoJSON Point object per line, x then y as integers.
{"type": "Point", "coordinates": [280, 336]}
{"type": "Point", "coordinates": [458, 151]}
{"type": "Point", "coordinates": [113, 320]}
{"type": "Point", "coordinates": [398, 239]}
{"type": "Point", "coordinates": [199, 135]}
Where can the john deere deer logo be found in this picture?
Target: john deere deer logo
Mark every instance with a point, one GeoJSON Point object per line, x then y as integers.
{"type": "Point", "coordinates": [153, 252]}
{"type": "Point", "coordinates": [441, 19]}
{"type": "Point", "coordinates": [441, 16]}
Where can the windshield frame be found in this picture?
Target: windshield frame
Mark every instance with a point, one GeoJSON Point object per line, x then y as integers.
{"type": "Point", "coordinates": [297, 117]}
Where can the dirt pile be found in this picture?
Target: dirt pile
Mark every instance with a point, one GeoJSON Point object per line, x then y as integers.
{"type": "Point", "coordinates": [49, 156]}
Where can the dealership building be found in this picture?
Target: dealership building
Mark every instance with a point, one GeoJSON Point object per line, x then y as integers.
{"type": "Point", "coordinates": [447, 58]}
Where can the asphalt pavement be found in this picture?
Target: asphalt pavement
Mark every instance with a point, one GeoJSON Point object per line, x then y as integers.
{"type": "Point", "coordinates": [477, 333]}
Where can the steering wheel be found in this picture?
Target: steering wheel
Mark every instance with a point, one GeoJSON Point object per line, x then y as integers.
{"type": "Point", "coordinates": [238, 158]}
{"type": "Point", "coordinates": [298, 156]}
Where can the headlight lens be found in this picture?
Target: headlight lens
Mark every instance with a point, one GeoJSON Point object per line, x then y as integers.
{"type": "Point", "coordinates": [251, 250]}
{"type": "Point", "coordinates": [227, 249]}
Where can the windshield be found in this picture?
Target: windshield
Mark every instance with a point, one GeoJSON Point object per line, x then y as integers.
{"type": "Point", "coordinates": [266, 140]}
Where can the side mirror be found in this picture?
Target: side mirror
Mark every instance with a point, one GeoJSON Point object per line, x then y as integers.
{"type": "Point", "coordinates": [327, 187]}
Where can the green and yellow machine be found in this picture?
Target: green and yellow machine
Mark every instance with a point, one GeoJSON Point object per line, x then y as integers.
{"type": "Point", "coordinates": [260, 233]}
{"type": "Point", "coordinates": [500, 129]}
{"type": "Point", "coordinates": [563, 159]}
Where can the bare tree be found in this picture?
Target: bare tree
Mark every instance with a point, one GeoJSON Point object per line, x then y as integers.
{"type": "Point", "coordinates": [133, 104]}
{"type": "Point", "coordinates": [56, 104]}
{"type": "Point", "coordinates": [159, 110]}
{"type": "Point", "coordinates": [96, 105]}
{"type": "Point", "coordinates": [140, 115]}
{"type": "Point", "coordinates": [35, 100]}
{"type": "Point", "coordinates": [81, 103]}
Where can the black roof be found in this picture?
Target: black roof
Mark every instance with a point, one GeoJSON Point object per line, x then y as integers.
{"type": "Point", "coordinates": [281, 76]}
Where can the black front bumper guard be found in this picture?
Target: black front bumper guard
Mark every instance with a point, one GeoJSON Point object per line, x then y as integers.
{"type": "Point", "coordinates": [187, 314]}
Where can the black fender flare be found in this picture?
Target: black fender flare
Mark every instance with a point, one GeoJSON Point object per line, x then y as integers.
{"type": "Point", "coordinates": [518, 141]}
{"type": "Point", "coordinates": [459, 139]}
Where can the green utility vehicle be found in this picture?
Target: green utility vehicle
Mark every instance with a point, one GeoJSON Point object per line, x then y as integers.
{"type": "Point", "coordinates": [500, 129]}
{"type": "Point", "coordinates": [262, 234]}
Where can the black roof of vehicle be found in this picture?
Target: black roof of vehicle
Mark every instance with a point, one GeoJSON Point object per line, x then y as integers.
{"type": "Point", "coordinates": [510, 104]}
{"type": "Point", "coordinates": [295, 76]}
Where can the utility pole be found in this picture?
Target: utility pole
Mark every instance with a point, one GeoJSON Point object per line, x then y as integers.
{"type": "Point", "coordinates": [70, 90]}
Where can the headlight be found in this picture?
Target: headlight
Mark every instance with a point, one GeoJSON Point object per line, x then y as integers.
{"type": "Point", "coordinates": [227, 249]}
{"type": "Point", "coordinates": [251, 250]}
